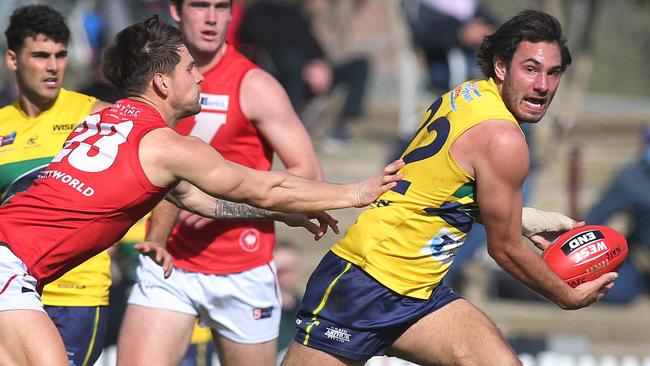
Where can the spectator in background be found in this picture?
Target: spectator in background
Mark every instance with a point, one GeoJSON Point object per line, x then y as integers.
{"type": "Point", "coordinates": [628, 193]}
{"type": "Point", "coordinates": [439, 26]}
{"type": "Point", "coordinates": [283, 42]}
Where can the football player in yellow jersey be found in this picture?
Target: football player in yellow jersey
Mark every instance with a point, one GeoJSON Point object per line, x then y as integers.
{"type": "Point", "coordinates": [379, 290]}
{"type": "Point", "coordinates": [33, 129]}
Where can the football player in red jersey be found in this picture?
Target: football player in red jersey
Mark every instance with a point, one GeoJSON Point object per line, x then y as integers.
{"type": "Point", "coordinates": [115, 167]}
{"type": "Point", "coordinates": [247, 117]}
{"type": "Point", "coordinates": [40, 118]}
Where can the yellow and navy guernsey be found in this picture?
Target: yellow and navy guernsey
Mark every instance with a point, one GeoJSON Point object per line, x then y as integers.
{"type": "Point", "coordinates": [26, 147]}
{"type": "Point", "coordinates": [408, 238]}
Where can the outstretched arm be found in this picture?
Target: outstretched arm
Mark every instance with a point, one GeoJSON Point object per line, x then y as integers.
{"type": "Point", "coordinates": [192, 199]}
{"type": "Point", "coordinates": [168, 157]}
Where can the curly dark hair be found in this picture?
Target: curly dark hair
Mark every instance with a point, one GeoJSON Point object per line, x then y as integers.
{"type": "Point", "coordinates": [140, 51]}
{"type": "Point", "coordinates": [528, 25]}
{"type": "Point", "coordinates": [32, 20]}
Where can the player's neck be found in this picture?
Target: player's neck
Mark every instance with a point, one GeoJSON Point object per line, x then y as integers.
{"type": "Point", "coordinates": [206, 61]}
{"type": "Point", "coordinates": [161, 107]}
{"type": "Point", "coordinates": [32, 107]}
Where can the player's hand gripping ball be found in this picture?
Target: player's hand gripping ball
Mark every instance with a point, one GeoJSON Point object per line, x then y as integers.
{"type": "Point", "coordinates": [586, 253]}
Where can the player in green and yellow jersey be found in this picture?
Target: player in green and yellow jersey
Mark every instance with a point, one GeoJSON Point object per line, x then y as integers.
{"type": "Point", "coordinates": [32, 130]}
{"type": "Point", "coordinates": [380, 290]}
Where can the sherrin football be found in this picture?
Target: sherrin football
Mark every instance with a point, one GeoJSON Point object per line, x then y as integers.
{"type": "Point", "coordinates": [586, 253]}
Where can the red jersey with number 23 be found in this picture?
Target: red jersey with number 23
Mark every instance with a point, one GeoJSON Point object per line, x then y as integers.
{"type": "Point", "coordinates": [88, 197]}
{"type": "Point", "coordinates": [224, 247]}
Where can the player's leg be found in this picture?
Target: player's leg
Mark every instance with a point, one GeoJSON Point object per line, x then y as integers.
{"type": "Point", "coordinates": [151, 336]}
{"type": "Point", "coordinates": [83, 330]}
{"type": "Point", "coordinates": [456, 334]}
{"type": "Point", "coordinates": [28, 337]}
{"type": "Point", "coordinates": [159, 319]}
{"type": "Point", "coordinates": [243, 310]}
{"type": "Point", "coordinates": [232, 353]}
{"type": "Point", "coordinates": [299, 355]}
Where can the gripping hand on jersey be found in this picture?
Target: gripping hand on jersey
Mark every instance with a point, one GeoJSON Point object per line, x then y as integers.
{"type": "Point", "coordinates": [367, 191]}
{"type": "Point", "coordinates": [542, 227]}
{"type": "Point", "coordinates": [158, 253]}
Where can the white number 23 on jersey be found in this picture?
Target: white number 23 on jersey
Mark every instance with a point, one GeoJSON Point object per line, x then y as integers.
{"type": "Point", "coordinates": [105, 148]}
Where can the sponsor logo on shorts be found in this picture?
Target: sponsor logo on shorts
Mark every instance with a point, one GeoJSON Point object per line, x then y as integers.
{"type": "Point", "coordinates": [8, 139]}
{"type": "Point", "coordinates": [261, 313]}
{"type": "Point", "coordinates": [249, 240]}
{"type": "Point", "coordinates": [338, 334]}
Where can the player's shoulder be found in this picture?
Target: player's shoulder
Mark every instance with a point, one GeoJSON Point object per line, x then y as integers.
{"type": "Point", "coordinates": [9, 111]}
{"type": "Point", "coordinates": [73, 97]}
{"type": "Point", "coordinates": [163, 143]}
{"type": "Point", "coordinates": [258, 77]}
{"type": "Point", "coordinates": [260, 85]}
{"type": "Point", "coordinates": [501, 132]}
{"type": "Point", "coordinates": [168, 140]}
{"type": "Point", "coordinates": [496, 137]}
{"type": "Point", "coordinates": [478, 100]}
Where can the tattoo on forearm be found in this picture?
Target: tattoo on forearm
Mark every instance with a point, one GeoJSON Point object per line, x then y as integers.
{"type": "Point", "coordinates": [232, 210]}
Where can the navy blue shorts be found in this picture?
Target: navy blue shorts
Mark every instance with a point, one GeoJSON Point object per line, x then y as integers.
{"type": "Point", "coordinates": [83, 329]}
{"type": "Point", "coordinates": [346, 312]}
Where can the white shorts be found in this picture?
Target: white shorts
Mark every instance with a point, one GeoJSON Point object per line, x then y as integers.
{"type": "Point", "coordinates": [17, 287]}
{"type": "Point", "coordinates": [243, 307]}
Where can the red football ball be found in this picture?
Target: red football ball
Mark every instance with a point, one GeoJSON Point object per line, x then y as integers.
{"type": "Point", "coordinates": [586, 253]}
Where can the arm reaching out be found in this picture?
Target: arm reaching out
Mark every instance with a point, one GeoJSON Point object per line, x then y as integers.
{"type": "Point", "coordinates": [169, 158]}
{"type": "Point", "coordinates": [192, 199]}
